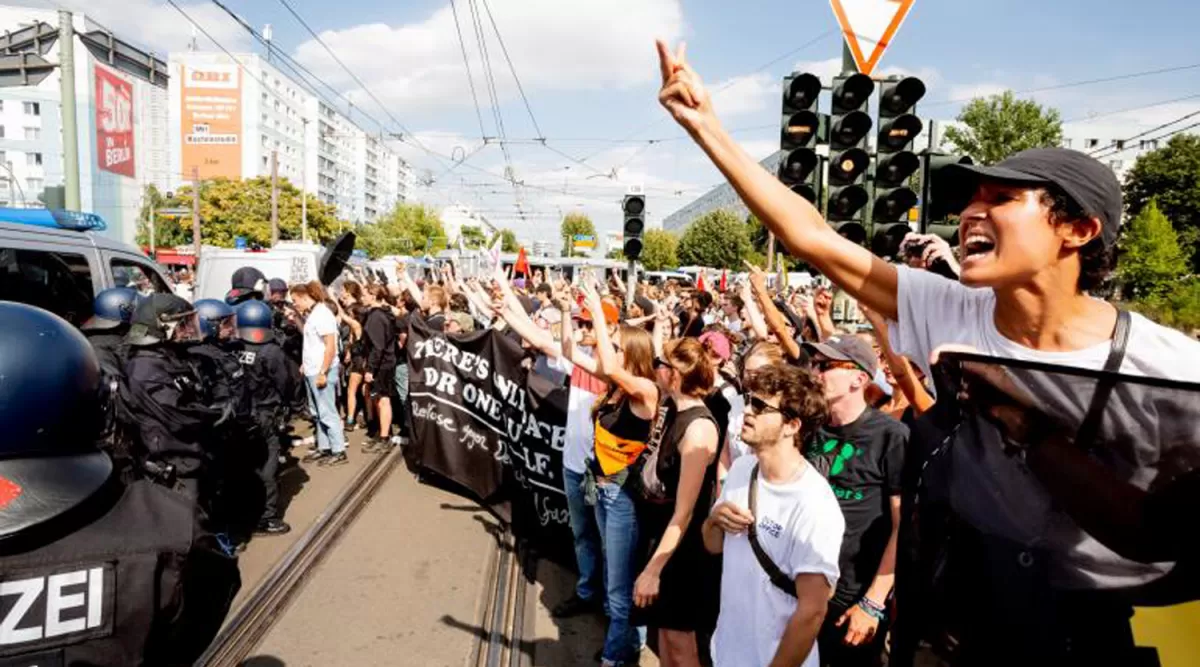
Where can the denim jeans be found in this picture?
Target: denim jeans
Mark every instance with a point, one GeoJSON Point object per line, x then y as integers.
{"type": "Point", "coordinates": [616, 517]}
{"type": "Point", "coordinates": [322, 404]}
{"type": "Point", "coordinates": [587, 538]}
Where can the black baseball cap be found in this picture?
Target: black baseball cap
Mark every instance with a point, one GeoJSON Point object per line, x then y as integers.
{"type": "Point", "coordinates": [846, 348]}
{"type": "Point", "coordinates": [1083, 178]}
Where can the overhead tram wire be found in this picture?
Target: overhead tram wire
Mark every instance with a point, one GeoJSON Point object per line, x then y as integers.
{"type": "Point", "coordinates": [467, 64]}
{"type": "Point", "coordinates": [1168, 135]}
{"type": "Point", "coordinates": [1075, 84]}
{"type": "Point", "coordinates": [504, 50]}
{"type": "Point", "coordinates": [1151, 105]}
{"type": "Point", "coordinates": [493, 94]}
{"type": "Point", "coordinates": [760, 68]}
{"type": "Point", "coordinates": [1121, 142]}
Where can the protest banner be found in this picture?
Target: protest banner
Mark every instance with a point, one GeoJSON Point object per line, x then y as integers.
{"type": "Point", "coordinates": [482, 421]}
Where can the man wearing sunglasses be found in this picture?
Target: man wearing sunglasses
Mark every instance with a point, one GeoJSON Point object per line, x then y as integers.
{"type": "Point", "coordinates": [861, 452]}
{"type": "Point", "coordinates": [796, 523]}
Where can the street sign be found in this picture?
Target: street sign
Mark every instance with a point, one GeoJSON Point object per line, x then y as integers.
{"type": "Point", "coordinates": [172, 211]}
{"type": "Point", "coordinates": [239, 242]}
{"type": "Point", "coordinates": [869, 26]}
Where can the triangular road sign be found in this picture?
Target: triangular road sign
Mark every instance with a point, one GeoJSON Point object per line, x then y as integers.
{"type": "Point", "coordinates": [869, 26]}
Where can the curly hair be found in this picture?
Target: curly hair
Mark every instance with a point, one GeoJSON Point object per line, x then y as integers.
{"type": "Point", "coordinates": [801, 396]}
{"type": "Point", "coordinates": [1096, 262]}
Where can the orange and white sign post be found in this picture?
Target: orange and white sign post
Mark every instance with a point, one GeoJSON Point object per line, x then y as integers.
{"type": "Point", "coordinates": [868, 27]}
{"type": "Point", "coordinates": [212, 121]}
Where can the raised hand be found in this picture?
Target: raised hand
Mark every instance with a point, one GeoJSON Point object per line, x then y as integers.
{"type": "Point", "coordinates": [683, 93]}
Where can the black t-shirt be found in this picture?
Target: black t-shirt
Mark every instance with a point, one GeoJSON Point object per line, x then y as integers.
{"type": "Point", "coordinates": [863, 461]}
{"type": "Point", "coordinates": [402, 331]}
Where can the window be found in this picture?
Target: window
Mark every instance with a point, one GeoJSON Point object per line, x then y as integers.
{"type": "Point", "coordinates": [33, 133]}
{"type": "Point", "coordinates": [1, 105]}
{"type": "Point", "coordinates": [128, 273]}
{"type": "Point", "coordinates": [1066, 143]}
{"type": "Point", "coordinates": [1092, 143]}
{"type": "Point", "coordinates": [33, 159]}
{"type": "Point", "coordinates": [1116, 164]}
{"type": "Point", "coordinates": [1120, 144]}
{"type": "Point", "coordinates": [33, 186]}
{"type": "Point", "coordinates": [33, 109]}
{"type": "Point", "coordinates": [60, 282]}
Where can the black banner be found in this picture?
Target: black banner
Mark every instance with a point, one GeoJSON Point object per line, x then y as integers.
{"type": "Point", "coordinates": [483, 421]}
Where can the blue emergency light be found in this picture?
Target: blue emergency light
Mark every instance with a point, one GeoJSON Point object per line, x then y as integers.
{"type": "Point", "coordinates": [56, 219]}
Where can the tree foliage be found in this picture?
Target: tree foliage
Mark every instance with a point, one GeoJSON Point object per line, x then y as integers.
{"type": "Point", "coordinates": [410, 229]}
{"type": "Point", "coordinates": [998, 126]}
{"type": "Point", "coordinates": [1170, 176]}
{"type": "Point", "coordinates": [659, 250]}
{"type": "Point", "coordinates": [472, 237]}
{"type": "Point", "coordinates": [1177, 307]}
{"type": "Point", "coordinates": [1151, 257]}
{"type": "Point", "coordinates": [229, 209]}
{"type": "Point", "coordinates": [572, 224]}
{"type": "Point", "coordinates": [508, 241]}
{"type": "Point", "coordinates": [719, 239]}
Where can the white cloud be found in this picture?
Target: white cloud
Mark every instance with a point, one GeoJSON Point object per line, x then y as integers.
{"type": "Point", "coordinates": [745, 94]}
{"type": "Point", "coordinates": [969, 91]}
{"type": "Point", "coordinates": [159, 27]}
{"type": "Point", "coordinates": [553, 45]}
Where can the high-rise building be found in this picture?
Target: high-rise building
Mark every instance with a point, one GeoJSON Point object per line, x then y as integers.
{"type": "Point", "coordinates": [121, 112]}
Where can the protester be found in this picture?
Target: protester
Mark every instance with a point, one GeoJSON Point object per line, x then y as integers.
{"type": "Point", "coordinates": [678, 584]}
{"type": "Point", "coordinates": [379, 372]}
{"type": "Point", "coordinates": [320, 371]}
{"type": "Point", "coordinates": [1038, 232]}
{"type": "Point", "coordinates": [795, 521]}
{"type": "Point", "coordinates": [355, 316]}
{"type": "Point", "coordinates": [860, 451]}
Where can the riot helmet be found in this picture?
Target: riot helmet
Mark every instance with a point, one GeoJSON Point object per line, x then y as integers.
{"type": "Point", "coordinates": [254, 322]}
{"type": "Point", "coordinates": [216, 319]}
{"type": "Point", "coordinates": [164, 318]}
{"type": "Point", "coordinates": [53, 416]}
{"type": "Point", "coordinates": [112, 308]}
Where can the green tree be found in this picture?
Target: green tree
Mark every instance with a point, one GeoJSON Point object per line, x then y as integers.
{"type": "Point", "coordinates": [1170, 176]}
{"type": "Point", "coordinates": [409, 229]}
{"type": "Point", "coordinates": [168, 233]}
{"type": "Point", "coordinates": [719, 240]}
{"type": "Point", "coordinates": [659, 250]}
{"type": "Point", "coordinates": [996, 127]}
{"type": "Point", "coordinates": [473, 237]}
{"type": "Point", "coordinates": [508, 241]}
{"type": "Point", "coordinates": [230, 209]}
{"type": "Point", "coordinates": [572, 224]}
{"type": "Point", "coordinates": [1151, 258]}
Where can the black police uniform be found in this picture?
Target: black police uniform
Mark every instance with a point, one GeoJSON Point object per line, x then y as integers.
{"type": "Point", "coordinates": [270, 380]}
{"type": "Point", "coordinates": [93, 571]}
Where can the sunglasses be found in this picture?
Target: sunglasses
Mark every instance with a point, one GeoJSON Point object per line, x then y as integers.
{"type": "Point", "coordinates": [761, 407]}
{"type": "Point", "coordinates": [831, 364]}
{"type": "Point", "coordinates": [662, 364]}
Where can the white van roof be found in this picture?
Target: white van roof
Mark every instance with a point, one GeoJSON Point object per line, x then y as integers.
{"type": "Point", "coordinates": [293, 263]}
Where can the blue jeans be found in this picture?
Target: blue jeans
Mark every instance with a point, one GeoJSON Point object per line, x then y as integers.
{"type": "Point", "coordinates": [616, 517]}
{"type": "Point", "coordinates": [322, 404]}
{"type": "Point", "coordinates": [587, 538]}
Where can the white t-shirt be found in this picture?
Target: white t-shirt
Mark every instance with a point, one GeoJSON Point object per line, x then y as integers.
{"type": "Point", "coordinates": [319, 323]}
{"type": "Point", "coordinates": [800, 527]}
{"type": "Point", "coordinates": [998, 493]}
{"type": "Point", "coordinates": [737, 415]}
{"type": "Point", "coordinates": [581, 432]}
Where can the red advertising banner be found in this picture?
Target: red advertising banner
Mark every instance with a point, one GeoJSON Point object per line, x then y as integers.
{"type": "Point", "coordinates": [114, 122]}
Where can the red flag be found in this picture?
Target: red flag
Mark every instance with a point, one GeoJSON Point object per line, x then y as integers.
{"type": "Point", "coordinates": [522, 265]}
{"type": "Point", "coordinates": [724, 280]}
{"type": "Point", "coordinates": [700, 282]}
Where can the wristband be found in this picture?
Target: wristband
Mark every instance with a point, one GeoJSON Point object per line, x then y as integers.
{"type": "Point", "coordinates": [869, 608]}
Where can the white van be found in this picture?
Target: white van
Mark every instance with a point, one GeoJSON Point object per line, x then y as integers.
{"type": "Point", "coordinates": [59, 261]}
{"type": "Point", "coordinates": [292, 262]}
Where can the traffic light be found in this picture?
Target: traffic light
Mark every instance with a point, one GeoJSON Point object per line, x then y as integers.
{"type": "Point", "coordinates": [848, 158]}
{"type": "Point", "coordinates": [53, 197]}
{"type": "Point", "coordinates": [634, 208]}
{"type": "Point", "coordinates": [801, 130]}
{"type": "Point", "coordinates": [935, 208]}
{"type": "Point", "coordinates": [895, 163]}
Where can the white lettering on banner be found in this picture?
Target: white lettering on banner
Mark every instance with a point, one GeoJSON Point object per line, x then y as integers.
{"type": "Point", "coordinates": [546, 512]}
{"type": "Point", "coordinates": [464, 361]}
{"type": "Point", "coordinates": [426, 413]}
{"type": "Point", "coordinates": [472, 438]}
{"type": "Point", "coordinates": [30, 591]}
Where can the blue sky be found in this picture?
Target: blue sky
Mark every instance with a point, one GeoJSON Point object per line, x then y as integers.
{"type": "Point", "coordinates": [589, 70]}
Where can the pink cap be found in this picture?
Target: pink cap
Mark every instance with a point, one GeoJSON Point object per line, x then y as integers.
{"type": "Point", "coordinates": [718, 343]}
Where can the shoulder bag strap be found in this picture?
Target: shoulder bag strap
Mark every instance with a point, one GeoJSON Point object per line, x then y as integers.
{"type": "Point", "coordinates": [660, 426]}
{"type": "Point", "coordinates": [777, 577]}
{"type": "Point", "coordinates": [1090, 427]}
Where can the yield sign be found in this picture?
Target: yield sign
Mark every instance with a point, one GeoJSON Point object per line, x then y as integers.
{"type": "Point", "coordinates": [869, 26]}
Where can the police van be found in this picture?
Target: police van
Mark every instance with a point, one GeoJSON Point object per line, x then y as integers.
{"type": "Point", "coordinates": [58, 261]}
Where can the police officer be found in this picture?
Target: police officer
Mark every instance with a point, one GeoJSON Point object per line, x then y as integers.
{"type": "Point", "coordinates": [95, 571]}
{"type": "Point", "coordinates": [270, 380]}
{"type": "Point", "coordinates": [246, 283]}
{"type": "Point", "coordinates": [106, 328]}
{"type": "Point", "coordinates": [172, 412]}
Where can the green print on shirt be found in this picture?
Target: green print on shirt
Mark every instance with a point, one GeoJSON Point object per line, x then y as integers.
{"type": "Point", "coordinates": [844, 452]}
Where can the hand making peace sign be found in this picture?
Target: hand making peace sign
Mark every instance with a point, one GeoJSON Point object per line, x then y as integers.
{"type": "Point", "coordinates": [683, 93]}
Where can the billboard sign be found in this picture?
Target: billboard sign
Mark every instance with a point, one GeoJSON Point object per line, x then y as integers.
{"type": "Point", "coordinates": [114, 122]}
{"type": "Point", "coordinates": [211, 125]}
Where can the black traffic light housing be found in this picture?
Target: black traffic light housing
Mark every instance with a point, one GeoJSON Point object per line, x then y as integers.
{"type": "Point", "coordinates": [802, 128]}
{"type": "Point", "coordinates": [53, 197]}
{"type": "Point", "coordinates": [633, 207]}
{"type": "Point", "coordinates": [895, 163]}
{"type": "Point", "coordinates": [936, 207]}
{"type": "Point", "coordinates": [849, 125]}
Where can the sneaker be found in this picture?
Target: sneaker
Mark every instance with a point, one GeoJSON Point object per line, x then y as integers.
{"type": "Point", "coordinates": [307, 440]}
{"type": "Point", "coordinates": [350, 426]}
{"type": "Point", "coordinates": [272, 527]}
{"type": "Point", "coordinates": [399, 441]}
{"type": "Point", "coordinates": [373, 445]}
{"type": "Point", "coordinates": [334, 460]}
{"type": "Point", "coordinates": [573, 606]}
{"type": "Point", "coordinates": [317, 456]}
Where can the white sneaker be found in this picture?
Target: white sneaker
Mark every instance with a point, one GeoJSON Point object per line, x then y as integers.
{"type": "Point", "coordinates": [399, 440]}
{"type": "Point", "coordinates": [307, 440]}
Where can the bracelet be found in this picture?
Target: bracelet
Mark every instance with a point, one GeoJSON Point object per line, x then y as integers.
{"type": "Point", "coordinates": [871, 610]}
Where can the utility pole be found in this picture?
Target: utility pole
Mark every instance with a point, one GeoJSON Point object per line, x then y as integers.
{"type": "Point", "coordinates": [770, 251]}
{"type": "Point", "coordinates": [70, 125]}
{"type": "Point", "coordinates": [153, 249]}
{"type": "Point", "coordinates": [304, 184]}
{"type": "Point", "coordinates": [196, 214]}
{"type": "Point", "coordinates": [274, 198]}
